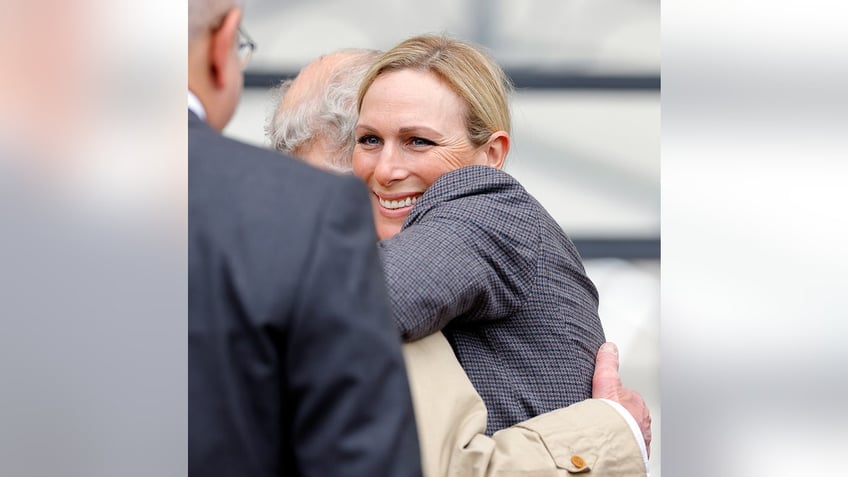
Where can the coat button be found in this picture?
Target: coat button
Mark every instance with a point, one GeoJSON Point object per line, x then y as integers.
{"type": "Point", "coordinates": [578, 461]}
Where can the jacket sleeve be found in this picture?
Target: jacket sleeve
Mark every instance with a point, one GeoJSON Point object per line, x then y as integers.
{"type": "Point", "coordinates": [442, 269]}
{"type": "Point", "coordinates": [589, 437]}
{"type": "Point", "coordinates": [346, 377]}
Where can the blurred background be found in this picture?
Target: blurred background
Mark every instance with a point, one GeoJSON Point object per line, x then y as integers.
{"type": "Point", "coordinates": [586, 125]}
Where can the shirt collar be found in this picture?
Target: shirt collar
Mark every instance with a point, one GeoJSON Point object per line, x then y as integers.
{"type": "Point", "coordinates": [195, 106]}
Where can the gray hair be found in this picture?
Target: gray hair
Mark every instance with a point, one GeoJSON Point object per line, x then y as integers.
{"type": "Point", "coordinates": [202, 14]}
{"type": "Point", "coordinates": [327, 110]}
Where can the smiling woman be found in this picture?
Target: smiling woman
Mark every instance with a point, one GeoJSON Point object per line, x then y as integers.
{"type": "Point", "coordinates": [465, 248]}
{"type": "Point", "coordinates": [409, 134]}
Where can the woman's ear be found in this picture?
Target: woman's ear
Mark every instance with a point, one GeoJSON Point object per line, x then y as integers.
{"type": "Point", "coordinates": [496, 149]}
{"type": "Point", "coordinates": [222, 48]}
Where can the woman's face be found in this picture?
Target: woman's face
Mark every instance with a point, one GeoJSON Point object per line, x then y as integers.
{"type": "Point", "coordinates": [411, 130]}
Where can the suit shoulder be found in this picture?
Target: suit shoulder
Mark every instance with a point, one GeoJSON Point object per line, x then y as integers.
{"type": "Point", "coordinates": [237, 190]}
{"type": "Point", "coordinates": [234, 167]}
{"type": "Point", "coordinates": [209, 150]}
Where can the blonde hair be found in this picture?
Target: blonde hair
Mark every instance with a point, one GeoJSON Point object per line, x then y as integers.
{"type": "Point", "coordinates": [465, 68]}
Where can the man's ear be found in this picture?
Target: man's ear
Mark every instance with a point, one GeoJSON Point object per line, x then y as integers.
{"type": "Point", "coordinates": [222, 47]}
{"type": "Point", "coordinates": [496, 149]}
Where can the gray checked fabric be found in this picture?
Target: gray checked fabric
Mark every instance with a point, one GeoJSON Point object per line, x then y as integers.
{"type": "Point", "coordinates": [480, 259]}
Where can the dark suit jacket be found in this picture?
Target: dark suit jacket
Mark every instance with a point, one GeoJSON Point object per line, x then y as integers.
{"type": "Point", "coordinates": [481, 259]}
{"type": "Point", "coordinates": [295, 365]}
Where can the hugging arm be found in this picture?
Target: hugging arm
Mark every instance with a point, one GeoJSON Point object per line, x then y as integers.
{"type": "Point", "coordinates": [591, 435]}
{"type": "Point", "coordinates": [443, 269]}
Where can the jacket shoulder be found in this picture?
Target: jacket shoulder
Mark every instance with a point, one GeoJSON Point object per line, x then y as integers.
{"type": "Point", "coordinates": [236, 172]}
{"type": "Point", "coordinates": [237, 190]}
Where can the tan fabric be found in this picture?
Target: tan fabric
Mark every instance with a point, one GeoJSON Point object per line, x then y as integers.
{"type": "Point", "coordinates": [588, 438]}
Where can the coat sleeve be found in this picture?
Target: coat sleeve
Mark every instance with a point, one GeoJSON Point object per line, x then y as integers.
{"type": "Point", "coordinates": [442, 269]}
{"type": "Point", "coordinates": [346, 377]}
{"type": "Point", "coordinates": [589, 437]}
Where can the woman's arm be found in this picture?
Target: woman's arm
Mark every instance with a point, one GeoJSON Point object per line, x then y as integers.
{"type": "Point", "coordinates": [441, 269]}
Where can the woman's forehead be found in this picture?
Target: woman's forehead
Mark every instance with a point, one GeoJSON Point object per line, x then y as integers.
{"type": "Point", "coordinates": [411, 94]}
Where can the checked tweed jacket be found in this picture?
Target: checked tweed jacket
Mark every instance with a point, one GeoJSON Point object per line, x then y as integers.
{"type": "Point", "coordinates": [480, 259]}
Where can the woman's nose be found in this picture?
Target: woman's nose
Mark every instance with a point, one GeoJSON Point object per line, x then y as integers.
{"type": "Point", "coordinates": [390, 167]}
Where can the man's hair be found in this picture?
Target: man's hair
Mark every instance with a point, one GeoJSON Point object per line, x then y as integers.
{"type": "Point", "coordinates": [204, 14]}
{"type": "Point", "coordinates": [469, 71]}
{"type": "Point", "coordinates": [328, 109]}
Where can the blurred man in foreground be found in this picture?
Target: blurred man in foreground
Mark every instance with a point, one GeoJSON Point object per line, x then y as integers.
{"type": "Point", "coordinates": [294, 365]}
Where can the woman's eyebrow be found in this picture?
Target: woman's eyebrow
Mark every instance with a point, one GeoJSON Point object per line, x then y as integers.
{"type": "Point", "coordinates": [365, 127]}
{"type": "Point", "coordinates": [418, 129]}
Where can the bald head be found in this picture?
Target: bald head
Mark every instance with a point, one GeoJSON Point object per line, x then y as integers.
{"type": "Point", "coordinates": [204, 14]}
{"type": "Point", "coordinates": [315, 113]}
{"type": "Point", "coordinates": [315, 76]}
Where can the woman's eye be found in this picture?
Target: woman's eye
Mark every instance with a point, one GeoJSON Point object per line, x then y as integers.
{"type": "Point", "coordinates": [368, 140]}
{"type": "Point", "coordinates": [420, 141]}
